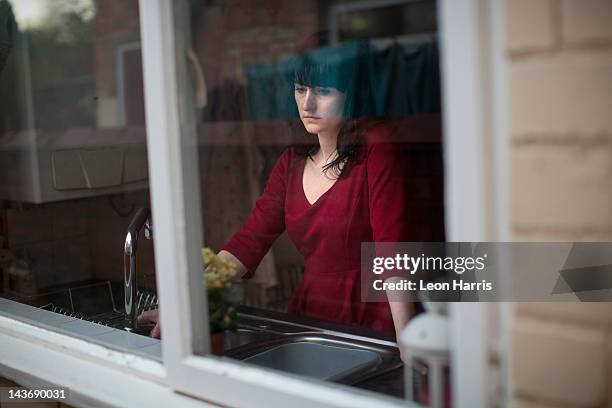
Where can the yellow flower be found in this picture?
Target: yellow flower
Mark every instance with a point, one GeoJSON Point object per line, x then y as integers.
{"type": "Point", "coordinates": [217, 273]}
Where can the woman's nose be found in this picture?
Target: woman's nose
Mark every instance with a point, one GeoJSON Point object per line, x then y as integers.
{"type": "Point", "coordinates": [309, 102]}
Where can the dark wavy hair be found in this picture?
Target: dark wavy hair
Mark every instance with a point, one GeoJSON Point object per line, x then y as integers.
{"type": "Point", "coordinates": [344, 68]}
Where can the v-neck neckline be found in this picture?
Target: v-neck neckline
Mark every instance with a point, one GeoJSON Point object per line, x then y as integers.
{"type": "Point", "coordinates": [320, 198]}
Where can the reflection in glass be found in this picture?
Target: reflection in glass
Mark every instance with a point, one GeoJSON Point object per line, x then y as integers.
{"type": "Point", "coordinates": [291, 210]}
{"type": "Point", "coordinates": [73, 161]}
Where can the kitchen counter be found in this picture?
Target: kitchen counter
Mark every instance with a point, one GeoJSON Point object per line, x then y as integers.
{"type": "Point", "coordinates": [262, 326]}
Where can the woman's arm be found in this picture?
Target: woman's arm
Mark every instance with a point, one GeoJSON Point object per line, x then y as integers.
{"type": "Point", "coordinates": [402, 307]}
{"type": "Point", "coordinates": [152, 316]}
{"type": "Point", "coordinates": [226, 256]}
{"type": "Point", "coordinates": [265, 223]}
{"type": "Point", "coordinates": [402, 310]}
{"type": "Point", "coordinates": [388, 202]}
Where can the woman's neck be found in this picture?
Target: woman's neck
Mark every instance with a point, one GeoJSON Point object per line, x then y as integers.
{"type": "Point", "coordinates": [328, 145]}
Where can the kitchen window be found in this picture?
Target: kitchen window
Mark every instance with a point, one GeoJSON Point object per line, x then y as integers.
{"type": "Point", "coordinates": [293, 320]}
{"type": "Point", "coordinates": [73, 159]}
{"type": "Point", "coordinates": [187, 128]}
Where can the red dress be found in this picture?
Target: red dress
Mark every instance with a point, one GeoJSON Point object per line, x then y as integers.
{"type": "Point", "coordinates": [366, 204]}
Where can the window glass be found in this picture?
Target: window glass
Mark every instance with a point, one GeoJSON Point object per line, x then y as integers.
{"type": "Point", "coordinates": [73, 167]}
{"type": "Point", "coordinates": [318, 129]}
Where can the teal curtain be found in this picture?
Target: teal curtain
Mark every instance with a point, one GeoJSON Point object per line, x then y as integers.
{"type": "Point", "coordinates": [392, 81]}
{"type": "Point", "coordinates": [405, 84]}
{"type": "Point", "coordinates": [269, 91]}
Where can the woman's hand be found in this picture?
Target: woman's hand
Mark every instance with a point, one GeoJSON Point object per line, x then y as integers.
{"type": "Point", "coordinates": [151, 316]}
{"type": "Point", "coordinates": [230, 258]}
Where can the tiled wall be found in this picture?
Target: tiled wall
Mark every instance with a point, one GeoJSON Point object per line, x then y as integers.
{"type": "Point", "coordinates": [108, 223]}
{"type": "Point", "coordinates": [76, 240]}
{"type": "Point", "coordinates": [53, 238]}
{"type": "Point", "coordinates": [559, 55]}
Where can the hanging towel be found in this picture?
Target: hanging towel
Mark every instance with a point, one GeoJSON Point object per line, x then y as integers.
{"type": "Point", "coordinates": [392, 82]}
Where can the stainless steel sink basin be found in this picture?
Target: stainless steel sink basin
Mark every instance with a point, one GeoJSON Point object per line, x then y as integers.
{"type": "Point", "coordinates": [319, 359]}
{"type": "Point", "coordinates": [322, 354]}
{"type": "Point", "coordinates": [242, 336]}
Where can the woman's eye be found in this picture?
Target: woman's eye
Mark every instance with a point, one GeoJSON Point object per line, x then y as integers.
{"type": "Point", "coordinates": [300, 89]}
{"type": "Point", "coordinates": [323, 91]}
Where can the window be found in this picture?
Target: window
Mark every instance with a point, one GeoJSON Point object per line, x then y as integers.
{"type": "Point", "coordinates": [242, 143]}
{"type": "Point", "coordinates": [73, 158]}
{"type": "Point", "coordinates": [198, 105]}
{"type": "Point", "coordinates": [194, 372]}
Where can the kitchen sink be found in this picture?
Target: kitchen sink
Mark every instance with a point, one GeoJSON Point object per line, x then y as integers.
{"type": "Point", "coordinates": [315, 359]}
{"type": "Point", "coordinates": [304, 349]}
{"type": "Point", "coordinates": [242, 336]}
{"type": "Point", "coordinates": [322, 355]}
{"type": "Point", "coordinates": [282, 342]}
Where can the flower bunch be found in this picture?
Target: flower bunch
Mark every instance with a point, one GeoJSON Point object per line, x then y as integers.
{"type": "Point", "coordinates": [224, 293]}
{"type": "Point", "coordinates": [217, 273]}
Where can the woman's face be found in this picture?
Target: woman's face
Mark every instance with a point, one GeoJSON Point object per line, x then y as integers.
{"type": "Point", "coordinates": [320, 108]}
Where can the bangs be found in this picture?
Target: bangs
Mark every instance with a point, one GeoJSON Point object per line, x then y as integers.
{"type": "Point", "coordinates": [324, 75]}
{"type": "Point", "coordinates": [328, 67]}
{"type": "Point", "coordinates": [343, 68]}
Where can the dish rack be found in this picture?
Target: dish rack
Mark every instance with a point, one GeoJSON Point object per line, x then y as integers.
{"type": "Point", "coordinates": [95, 302]}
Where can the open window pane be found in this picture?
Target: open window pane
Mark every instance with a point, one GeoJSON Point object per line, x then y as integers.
{"type": "Point", "coordinates": [73, 168]}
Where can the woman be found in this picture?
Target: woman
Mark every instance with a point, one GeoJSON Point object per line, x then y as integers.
{"type": "Point", "coordinates": [344, 188]}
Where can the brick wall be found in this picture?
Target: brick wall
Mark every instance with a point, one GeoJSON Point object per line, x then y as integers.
{"type": "Point", "coordinates": [116, 24]}
{"type": "Point", "coordinates": [559, 55]}
{"type": "Point", "coordinates": [230, 34]}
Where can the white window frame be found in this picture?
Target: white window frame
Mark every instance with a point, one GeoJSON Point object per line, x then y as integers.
{"type": "Point", "coordinates": [477, 182]}
{"type": "Point", "coordinates": [468, 72]}
{"type": "Point", "coordinates": [474, 106]}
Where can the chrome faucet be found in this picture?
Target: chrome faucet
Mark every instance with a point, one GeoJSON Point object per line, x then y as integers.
{"type": "Point", "coordinates": [140, 220]}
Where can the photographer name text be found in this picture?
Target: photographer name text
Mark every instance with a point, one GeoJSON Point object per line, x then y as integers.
{"type": "Point", "coordinates": [403, 264]}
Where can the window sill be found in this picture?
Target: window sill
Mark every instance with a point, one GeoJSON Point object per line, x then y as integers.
{"type": "Point", "coordinates": [94, 375]}
{"type": "Point", "coordinates": [88, 331]}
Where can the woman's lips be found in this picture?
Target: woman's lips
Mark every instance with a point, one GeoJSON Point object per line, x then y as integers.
{"type": "Point", "coordinates": [311, 117]}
